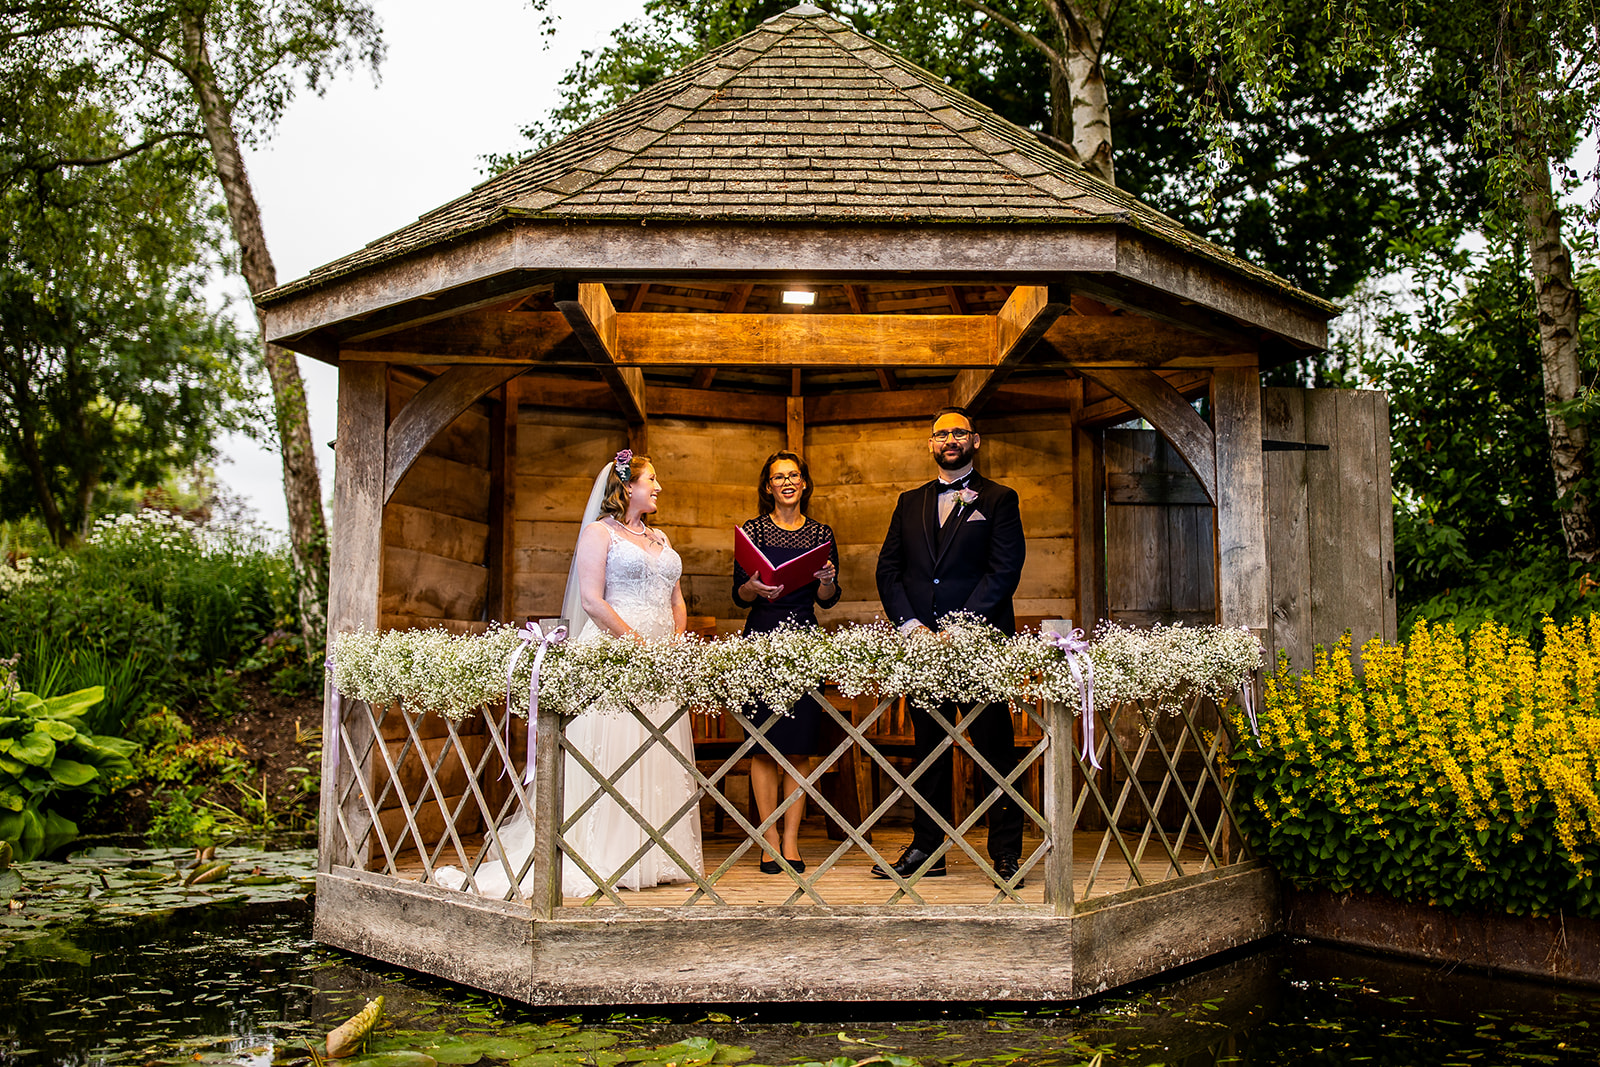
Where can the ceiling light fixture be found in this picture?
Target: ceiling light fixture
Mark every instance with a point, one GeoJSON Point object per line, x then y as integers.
{"type": "Point", "coordinates": [799, 296]}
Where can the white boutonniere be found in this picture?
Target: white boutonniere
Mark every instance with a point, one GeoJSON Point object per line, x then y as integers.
{"type": "Point", "coordinates": [967, 497]}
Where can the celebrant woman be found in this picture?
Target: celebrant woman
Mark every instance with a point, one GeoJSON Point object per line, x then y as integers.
{"type": "Point", "coordinates": [624, 581]}
{"type": "Point", "coordinates": [782, 533]}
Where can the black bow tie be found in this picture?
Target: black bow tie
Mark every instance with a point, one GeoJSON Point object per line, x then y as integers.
{"type": "Point", "coordinates": [955, 486]}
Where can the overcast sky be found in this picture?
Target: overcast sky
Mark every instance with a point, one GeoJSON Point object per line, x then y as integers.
{"type": "Point", "coordinates": [342, 169]}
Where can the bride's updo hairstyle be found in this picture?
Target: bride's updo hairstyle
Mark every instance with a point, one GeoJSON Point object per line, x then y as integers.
{"type": "Point", "coordinates": [769, 503]}
{"type": "Point", "coordinates": [625, 470]}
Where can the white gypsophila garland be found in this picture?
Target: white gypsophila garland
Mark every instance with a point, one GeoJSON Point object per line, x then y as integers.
{"type": "Point", "coordinates": [966, 661]}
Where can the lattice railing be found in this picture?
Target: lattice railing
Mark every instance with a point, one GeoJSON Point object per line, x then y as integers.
{"type": "Point", "coordinates": [423, 798]}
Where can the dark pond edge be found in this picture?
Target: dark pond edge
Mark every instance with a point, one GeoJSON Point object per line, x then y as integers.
{"type": "Point", "coordinates": [1560, 948]}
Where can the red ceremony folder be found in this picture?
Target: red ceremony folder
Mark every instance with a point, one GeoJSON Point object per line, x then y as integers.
{"type": "Point", "coordinates": [798, 572]}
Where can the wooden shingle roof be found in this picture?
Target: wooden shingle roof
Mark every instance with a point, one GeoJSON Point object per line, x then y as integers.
{"type": "Point", "coordinates": [801, 121]}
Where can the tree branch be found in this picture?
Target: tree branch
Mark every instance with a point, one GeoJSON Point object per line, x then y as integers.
{"type": "Point", "coordinates": [1016, 28]}
{"type": "Point", "coordinates": [116, 157]}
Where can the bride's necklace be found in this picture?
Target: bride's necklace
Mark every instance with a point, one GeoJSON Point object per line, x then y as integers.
{"type": "Point", "coordinates": [642, 531]}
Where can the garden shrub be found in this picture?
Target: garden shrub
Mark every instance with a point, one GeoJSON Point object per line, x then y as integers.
{"type": "Point", "coordinates": [50, 764]}
{"type": "Point", "coordinates": [1453, 772]}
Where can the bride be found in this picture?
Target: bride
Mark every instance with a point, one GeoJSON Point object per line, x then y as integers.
{"type": "Point", "coordinates": [623, 581]}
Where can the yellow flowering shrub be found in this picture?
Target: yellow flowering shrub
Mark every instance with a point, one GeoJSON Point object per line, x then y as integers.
{"type": "Point", "coordinates": [1462, 773]}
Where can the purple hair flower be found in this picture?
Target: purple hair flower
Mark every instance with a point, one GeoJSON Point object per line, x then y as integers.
{"type": "Point", "coordinates": [624, 463]}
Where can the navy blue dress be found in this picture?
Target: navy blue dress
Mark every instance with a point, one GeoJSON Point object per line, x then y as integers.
{"type": "Point", "coordinates": [797, 734]}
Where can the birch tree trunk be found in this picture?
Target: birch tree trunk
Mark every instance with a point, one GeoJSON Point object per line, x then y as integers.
{"type": "Point", "coordinates": [1556, 299]}
{"type": "Point", "coordinates": [302, 487]}
{"type": "Point", "coordinates": [1082, 24]}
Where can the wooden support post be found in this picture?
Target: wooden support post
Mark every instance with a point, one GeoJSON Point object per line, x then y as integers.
{"type": "Point", "coordinates": [1242, 578]}
{"type": "Point", "coordinates": [1089, 488]}
{"type": "Point", "coordinates": [354, 574]}
{"type": "Point", "coordinates": [797, 425]}
{"type": "Point", "coordinates": [501, 561]}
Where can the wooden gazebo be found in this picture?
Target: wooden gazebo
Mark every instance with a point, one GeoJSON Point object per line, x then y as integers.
{"type": "Point", "coordinates": [626, 286]}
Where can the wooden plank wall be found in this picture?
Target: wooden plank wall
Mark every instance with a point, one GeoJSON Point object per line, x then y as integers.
{"type": "Point", "coordinates": [708, 471]}
{"type": "Point", "coordinates": [436, 528]}
{"type": "Point", "coordinates": [1330, 533]}
{"type": "Point", "coordinates": [1160, 543]}
{"type": "Point", "coordinates": [861, 469]}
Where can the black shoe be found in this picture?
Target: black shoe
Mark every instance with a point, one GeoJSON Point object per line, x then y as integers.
{"type": "Point", "coordinates": [910, 859]}
{"type": "Point", "coordinates": [798, 865]}
{"type": "Point", "coordinates": [770, 867]}
{"type": "Point", "coordinates": [1006, 867]}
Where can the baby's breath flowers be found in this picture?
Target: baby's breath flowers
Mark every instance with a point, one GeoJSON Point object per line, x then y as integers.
{"type": "Point", "coordinates": [966, 661]}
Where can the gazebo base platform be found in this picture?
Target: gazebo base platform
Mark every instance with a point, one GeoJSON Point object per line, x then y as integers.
{"type": "Point", "coordinates": [756, 948]}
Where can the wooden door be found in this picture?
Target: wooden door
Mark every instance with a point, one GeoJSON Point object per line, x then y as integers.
{"type": "Point", "coordinates": [1161, 559]}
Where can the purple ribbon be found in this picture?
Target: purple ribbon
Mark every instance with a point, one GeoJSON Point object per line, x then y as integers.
{"type": "Point", "coordinates": [1076, 649]}
{"type": "Point", "coordinates": [530, 634]}
{"type": "Point", "coordinates": [333, 709]}
{"type": "Point", "coordinates": [1247, 701]}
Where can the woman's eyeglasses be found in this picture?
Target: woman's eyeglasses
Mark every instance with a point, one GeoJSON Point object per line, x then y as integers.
{"type": "Point", "coordinates": [785, 479]}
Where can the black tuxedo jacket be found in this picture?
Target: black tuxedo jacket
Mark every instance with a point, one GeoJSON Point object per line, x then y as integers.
{"type": "Point", "coordinates": [977, 570]}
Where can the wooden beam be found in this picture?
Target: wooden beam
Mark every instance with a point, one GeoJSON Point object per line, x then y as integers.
{"type": "Point", "coordinates": [703, 378]}
{"type": "Point", "coordinates": [1089, 477]}
{"type": "Point", "coordinates": [797, 425]}
{"type": "Point", "coordinates": [1243, 583]}
{"type": "Point", "coordinates": [1029, 311]}
{"type": "Point", "coordinates": [869, 407]}
{"type": "Point", "coordinates": [665, 401]}
{"type": "Point", "coordinates": [739, 297]}
{"type": "Point", "coordinates": [425, 310]}
{"type": "Point", "coordinates": [886, 380]}
{"type": "Point", "coordinates": [957, 307]}
{"type": "Point", "coordinates": [1147, 393]}
{"type": "Point", "coordinates": [676, 339]}
{"type": "Point", "coordinates": [1103, 408]}
{"type": "Point", "coordinates": [588, 310]}
{"type": "Point", "coordinates": [433, 408]}
{"type": "Point", "coordinates": [857, 298]}
{"type": "Point", "coordinates": [500, 597]}
{"type": "Point", "coordinates": [1132, 341]}
{"type": "Point", "coordinates": [478, 337]}
{"type": "Point", "coordinates": [636, 301]}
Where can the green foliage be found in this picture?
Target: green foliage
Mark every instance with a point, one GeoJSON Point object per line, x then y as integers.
{"type": "Point", "coordinates": [1456, 774]}
{"type": "Point", "coordinates": [155, 608]}
{"type": "Point", "coordinates": [50, 761]}
{"type": "Point", "coordinates": [1477, 525]}
{"type": "Point", "coordinates": [114, 369]}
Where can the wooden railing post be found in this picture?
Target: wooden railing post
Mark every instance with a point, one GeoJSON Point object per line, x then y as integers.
{"type": "Point", "coordinates": [548, 801]}
{"type": "Point", "coordinates": [1058, 791]}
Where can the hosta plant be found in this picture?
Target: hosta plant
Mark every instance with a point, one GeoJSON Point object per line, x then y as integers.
{"type": "Point", "coordinates": [49, 761]}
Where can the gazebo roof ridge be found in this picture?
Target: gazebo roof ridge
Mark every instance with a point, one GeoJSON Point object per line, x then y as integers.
{"type": "Point", "coordinates": [802, 120]}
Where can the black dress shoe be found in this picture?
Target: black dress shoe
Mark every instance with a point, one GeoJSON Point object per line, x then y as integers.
{"type": "Point", "coordinates": [770, 867]}
{"type": "Point", "coordinates": [910, 859]}
{"type": "Point", "coordinates": [798, 865]}
{"type": "Point", "coordinates": [1006, 867]}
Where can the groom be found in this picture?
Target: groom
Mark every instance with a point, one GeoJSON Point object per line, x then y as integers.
{"type": "Point", "coordinates": [956, 544]}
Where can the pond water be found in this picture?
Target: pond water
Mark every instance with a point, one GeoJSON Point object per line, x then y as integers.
{"type": "Point", "coordinates": [233, 978]}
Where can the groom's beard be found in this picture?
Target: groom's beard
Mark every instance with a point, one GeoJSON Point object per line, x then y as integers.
{"type": "Point", "coordinates": [946, 462]}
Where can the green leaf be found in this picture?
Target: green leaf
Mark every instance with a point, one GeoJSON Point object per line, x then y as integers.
{"type": "Point", "coordinates": [10, 800]}
{"type": "Point", "coordinates": [57, 730]}
{"type": "Point", "coordinates": [34, 748]}
{"type": "Point", "coordinates": [72, 774]}
{"type": "Point", "coordinates": [74, 704]}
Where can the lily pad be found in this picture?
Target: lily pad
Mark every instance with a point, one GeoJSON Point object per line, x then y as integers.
{"type": "Point", "coordinates": [690, 1052]}
{"type": "Point", "coordinates": [397, 1058]}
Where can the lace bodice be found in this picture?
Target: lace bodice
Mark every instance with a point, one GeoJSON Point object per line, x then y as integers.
{"type": "Point", "coordinates": [639, 585]}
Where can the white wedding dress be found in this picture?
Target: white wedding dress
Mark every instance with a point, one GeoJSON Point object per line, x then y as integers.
{"type": "Point", "coordinates": [639, 586]}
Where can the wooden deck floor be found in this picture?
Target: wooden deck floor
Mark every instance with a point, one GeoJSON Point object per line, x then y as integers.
{"type": "Point", "coordinates": [850, 882]}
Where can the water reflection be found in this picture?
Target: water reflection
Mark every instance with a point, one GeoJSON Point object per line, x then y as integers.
{"type": "Point", "coordinates": [252, 988]}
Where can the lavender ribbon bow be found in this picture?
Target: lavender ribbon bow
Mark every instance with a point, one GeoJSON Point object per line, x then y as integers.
{"type": "Point", "coordinates": [333, 709]}
{"type": "Point", "coordinates": [1247, 701]}
{"type": "Point", "coordinates": [530, 634]}
{"type": "Point", "coordinates": [1082, 668]}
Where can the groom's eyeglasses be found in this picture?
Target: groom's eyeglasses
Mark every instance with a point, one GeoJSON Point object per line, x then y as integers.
{"type": "Point", "coordinates": [785, 479]}
{"type": "Point", "coordinates": [950, 435]}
